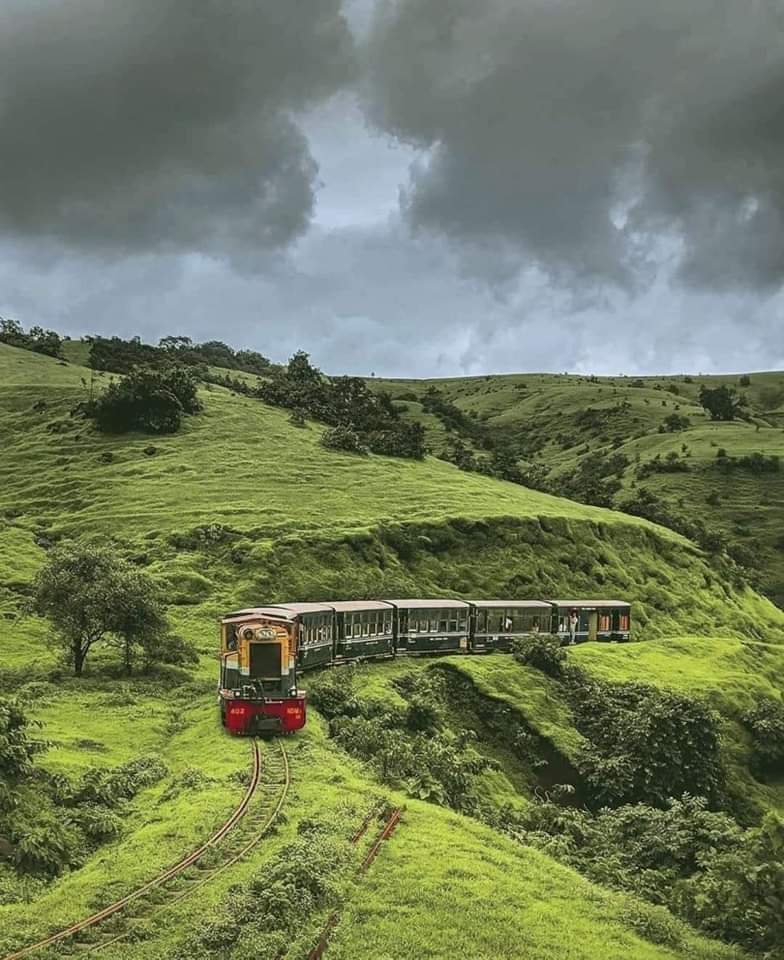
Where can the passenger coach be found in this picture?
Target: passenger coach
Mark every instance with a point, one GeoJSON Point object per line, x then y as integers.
{"type": "Point", "coordinates": [596, 619]}
{"type": "Point", "coordinates": [497, 623]}
{"type": "Point", "coordinates": [264, 648]}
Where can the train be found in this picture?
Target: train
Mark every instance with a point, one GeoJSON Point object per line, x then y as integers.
{"type": "Point", "coordinates": [263, 650]}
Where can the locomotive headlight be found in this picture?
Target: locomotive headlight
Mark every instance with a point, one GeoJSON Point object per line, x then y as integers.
{"type": "Point", "coordinates": [246, 633]}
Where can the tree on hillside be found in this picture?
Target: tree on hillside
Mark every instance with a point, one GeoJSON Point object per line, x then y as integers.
{"type": "Point", "coordinates": [36, 339]}
{"type": "Point", "coordinates": [721, 403]}
{"type": "Point", "coordinates": [17, 750]}
{"type": "Point", "coordinates": [91, 595]}
{"type": "Point", "coordinates": [152, 399]}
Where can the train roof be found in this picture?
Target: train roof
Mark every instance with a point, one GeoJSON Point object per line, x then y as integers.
{"type": "Point", "coordinates": [592, 604]}
{"type": "Point", "coordinates": [504, 604]}
{"type": "Point", "coordinates": [348, 606]}
{"type": "Point", "coordinates": [257, 612]}
{"type": "Point", "coordinates": [429, 604]}
{"type": "Point", "coordinates": [297, 608]}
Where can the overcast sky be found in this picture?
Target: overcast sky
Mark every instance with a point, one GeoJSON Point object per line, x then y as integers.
{"type": "Point", "coordinates": [411, 188]}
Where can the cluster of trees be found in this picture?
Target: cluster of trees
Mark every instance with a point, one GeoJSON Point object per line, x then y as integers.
{"type": "Point", "coordinates": [672, 463]}
{"type": "Point", "coordinates": [152, 399]}
{"type": "Point", "coordinates": [698, 863]}
{"type": "Point", "coordinates": [116, 355]}
{"type": "Point", "coordinates": [360, 420]}
{"type": "Point", "coordinates": [596, 479]}
{"type": "Point", "coordinates": [454, 419]}
{"type": "Point", "coordinates": [654, 783]}
{"type": "Point", "coordinates": [93, 597]}
{"type": "Point", "coordinates": [407, 747]}
{"type": "Point", "coordinates": [49, 822]}
{"type": "Point", "coordinates": [36, 338]}
{"type": "Point", "coordinates": [647, 504]}
{"type": "Point", "coordinates": [721, 403]}
{"type": "Point", "coordinates": [757, 463]}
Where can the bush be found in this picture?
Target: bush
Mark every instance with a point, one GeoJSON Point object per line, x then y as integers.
{"type": "Point", "coordinates": [333, 693]}
{"type": "Point", "coordinates": [766, 723]}
{"type": "Point", "coordinates": [360, 420]}
{"type": "Point", "coordinates": [17, 750]}
{"type": "Point", "coordinates": [644, 745]}
{"type": "Point", "coordinates": [675, 423]}
{"type": "Point", "coordinates": [343, 438]}
{"type": "Point", "coordinates": [720, 403]}
{"type": "Point", "coordinates": [542, 652]}
{"type": "Point", "coordinates": [38, 340]}
{"type": "Point", "coordinates": [150, 399]}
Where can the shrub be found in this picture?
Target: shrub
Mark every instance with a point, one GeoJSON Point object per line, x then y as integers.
{"type": "Point", "coordinates": [343, 438]}
{"type": "Point", "coordinates": [17, 750]}
{"type": "Point", "coordinates": [644, 745]}
{"type": "Point", "coordinates": [766, 723]}
{"type": "Point", "coordinates": [333, 693]}
{"type": "Point", "coordinates": [150, 399]}
{"type": "Point", "coordinates": [721, 403]}
{"type": "Point", "coordinates": [37, 339]}
{"type": "Point", "coordinates": [542, 652]}
{"type": "Point", "coordinates": [675, 422]}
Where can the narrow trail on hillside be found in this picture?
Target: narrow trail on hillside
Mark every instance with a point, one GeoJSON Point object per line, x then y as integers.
{"type": "Point", "coordinates": [248, 824]}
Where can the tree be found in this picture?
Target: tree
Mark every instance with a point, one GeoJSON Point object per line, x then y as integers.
{"type": "Point", "coordinates": [91, 595]}
{"type": "Point", "coordinates": [152, 399]}
{"type": "Point", "coordinates": [16, 750]}
{"type": "Point", "coordinates": [721, 403]}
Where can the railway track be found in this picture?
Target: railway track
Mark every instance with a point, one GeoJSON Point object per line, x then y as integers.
{"type": "Point", "coordinates": [389, 825]}
{"type": "Point", "coordinates": [247, 826]}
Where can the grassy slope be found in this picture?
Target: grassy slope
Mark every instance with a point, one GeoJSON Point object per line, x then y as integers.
{"type": "Point", "coordinates": [731, 675]}
{"type": "Point", "coordinates": [751, 508]}
{"type": "Point", "coordinates": [446, 887]}
{"type": "Point", "coordinates": [241, 463]}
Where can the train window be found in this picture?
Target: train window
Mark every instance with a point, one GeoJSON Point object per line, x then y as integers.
{"type": "Point", "coordinates": [624, 622]}
{"type": "Point", "coordinates": [387, 626]}
{"type": "Point", "coordinates": [357, 628]}
{"type": "Point", "coordinates": [443, 626]}
{"type": "Point", "coordinates": [462, 625]}
{"type": "Point", "coordinates": [372, 629]}
{"type": "Point", "coordinates": [365, 628]}
{"type": "Point", "coordinates": [434, 625]}
{"type": "Point", "coordinates": [604, 622]}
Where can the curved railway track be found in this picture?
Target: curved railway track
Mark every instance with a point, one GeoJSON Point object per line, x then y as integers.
{"type": "Point", "coordinates": [190, 871]}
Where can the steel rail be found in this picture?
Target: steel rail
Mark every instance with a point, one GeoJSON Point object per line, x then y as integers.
{"type": "Point", "coordinates": [173, 871]}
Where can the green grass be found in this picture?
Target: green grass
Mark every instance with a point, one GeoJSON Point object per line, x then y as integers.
{"type": "Point", "coordinates": [518, 407]}
{"type": "Point", "coordinates": [447, 887]}
{"type": "Point", "coordinates": [239, 463]}
{"type": "Point", "coordinates": [312, 524]}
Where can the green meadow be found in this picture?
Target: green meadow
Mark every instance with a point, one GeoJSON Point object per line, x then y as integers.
{"type": "Point", "coordinates": [241, 507]}
{"type": "Point", "coordinates": [628, 415]}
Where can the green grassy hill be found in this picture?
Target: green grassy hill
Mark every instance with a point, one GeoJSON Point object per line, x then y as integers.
{"type": "Point", "coordinates": [556, 421]}
{"type": "Point", "coordinates": [242, 507]}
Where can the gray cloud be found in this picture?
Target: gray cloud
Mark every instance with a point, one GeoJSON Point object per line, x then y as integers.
{"type": "Point", "coordinates": [163, 125]}
{"type": "Point", "coordinates": [587, 134]}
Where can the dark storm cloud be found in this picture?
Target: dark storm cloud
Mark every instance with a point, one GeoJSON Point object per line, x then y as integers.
{"type": "Point", "coordinates": [132, 125]}
{"type": "Point", "coordinates": [586, 134]}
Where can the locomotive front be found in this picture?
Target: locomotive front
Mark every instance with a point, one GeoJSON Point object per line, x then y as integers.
{"type": "Point", "coordinates": [258, 678]}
